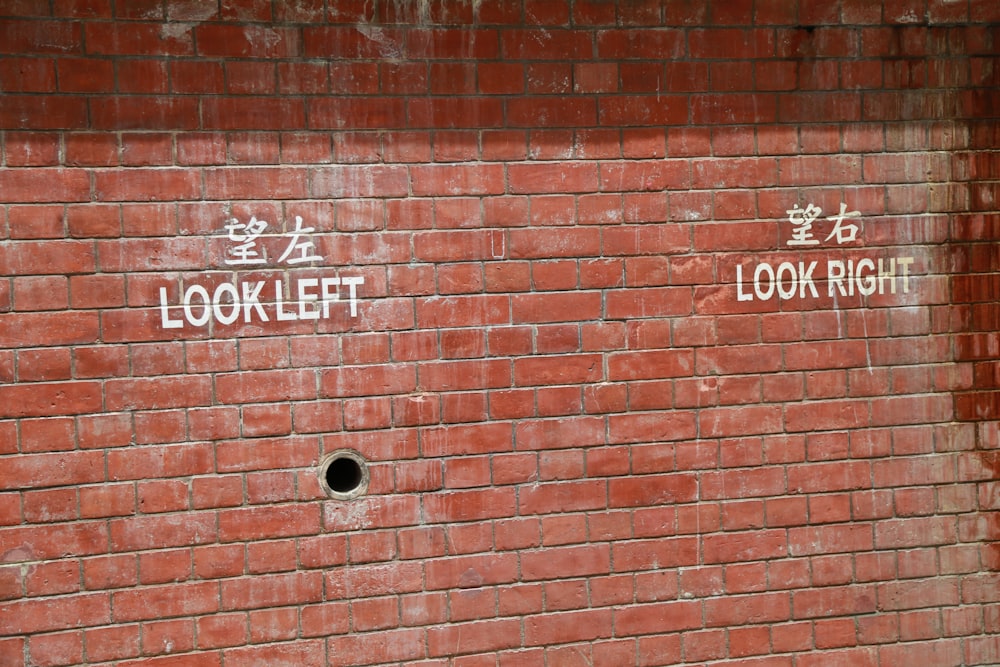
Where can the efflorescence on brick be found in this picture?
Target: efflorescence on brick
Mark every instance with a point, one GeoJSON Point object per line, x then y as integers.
{"type": "Point", "coordinates": [667, 332]}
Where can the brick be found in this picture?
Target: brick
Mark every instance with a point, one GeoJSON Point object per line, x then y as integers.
{"type": "Point", "coordinates": [642, 491]}
{"type": "Point", "coordinates": [157, 393]}
{"type": "Point", "coordinates": [403, 644]}
{"type": "Point", "coordinates": [32, 616]}
{"type": "Point", "coordinates": [470, 571]}
{"type": "Point", "coordinates": [299, 653]}
{"type": "Point", "coordinates": [28, 75]}
{"type": "Point", "coordinates": [833, 600]}
{"type": "Point", "coordinates": [64, 648]}
{"type": "Point", "coordinates": [164, 566]}
{"type": "Point", "coordinates": [940, 651]}
{"type": "Point", "coordinates": [721, 422]}
{"type": "Point", "coordinates": [44, 364]}
{"type": "Point", "coordinates": [273, 521]}
{"type": "Point", "coordinates": [41, 37]}
{"type": "Point", "coordinates": [271, 590]}
{"type": "Point", "coordinates": [73, 328]}
{"type": "Point", "coordinates": [549, 178]}
{"type": "Point", "coordinates": [94, 221]}
{"type": "Point", "coordinates": [356, 114]}
{"type": "Point", "coordinates": [248, 182]}
{"type": "Point", "coordinates": [107, 500]}
{"type": "Point", "coordinates": [654, 554]}
{"type": "Point", "coordinates": [557, 370]}
{"type": "Point", "coordinates": [658, 617]}
{"type": "Point", "coordinates": [833, 415]}
{"type": "Point", "coordinates": [759, 482]}
{"type": "Point", "coordinates": [52, 579]}
{"type": "Point", "coordinates": [145, 112]}
{"type": "Point", "coordinates": [470, 505]}
{"type": "Point", "coordinates": [142, 76]}
{"type": "Point", "coordinates": [367, 413]}
{"type": "Point", "coordinates": [355, 381]}
{"type": "Point", "coordinates": [217, 561]}
{"type": "Point", "coordinates": [651, 427]}
{"type": "Point", "coordinates": [259, 386]}
{"type": "Point", "coordinates": [477, 636]}
{"type": "Point", "coordinates": [738, 547]}
{"type": "Point", "coordinates": [526, 45]}
{"type": "Point", "coordinates": [145, 532]}
{"type": "Point", "coordinates": [829, 539]}
{"type": "Point", "coordinates": [59, 469]}
{"type": "Point", "coordinates": [43, 112]}
{"type": "Point", "coordinates": [44, 506]}
{"type": "Point", "coordinates": [234, 113]}
{"type": "Point", "coordinates": [113, 571]}
{"type": "Point", "coordinates": [568, 627]}
{"type": "Point", "coordinates": [173, 600]}
{"type": "Point", "coordinates": [112, 643]}
{"type": "Point", "coordinates": [220, 630]}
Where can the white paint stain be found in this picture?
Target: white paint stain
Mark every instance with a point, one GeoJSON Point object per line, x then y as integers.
{"type": "Point", "coordinates": [498, 244]}
{"type": "Point", "coordinates": [174, 30]}
{"type": "Point", "coordinates": [386, 46]}
{"type": "Point", "coordinates": [268, 36]}
{"type": "Point", "coordinates": [192, 12]}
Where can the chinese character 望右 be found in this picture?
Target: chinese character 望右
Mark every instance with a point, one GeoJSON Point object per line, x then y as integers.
{"type": "Point", "coordinates": [843, 232]}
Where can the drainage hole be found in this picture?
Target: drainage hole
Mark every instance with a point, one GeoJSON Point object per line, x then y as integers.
{"type": "Point", "coordinates": [344, 474]}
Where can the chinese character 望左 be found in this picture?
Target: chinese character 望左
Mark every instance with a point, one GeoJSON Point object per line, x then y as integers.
{"type": "Point", "coordinates": [303, 245]}
{"type": "Point", "coordinates": [245, 252]}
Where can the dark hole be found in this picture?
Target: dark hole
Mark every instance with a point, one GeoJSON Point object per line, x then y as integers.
{"type": "Point", "coordinates": [343, 475]}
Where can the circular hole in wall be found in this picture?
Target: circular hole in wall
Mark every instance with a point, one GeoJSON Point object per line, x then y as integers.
{"type": "Point", "coordinates": [343, 474]}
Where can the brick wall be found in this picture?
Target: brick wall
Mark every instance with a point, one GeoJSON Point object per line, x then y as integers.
{"type": "Point", "coordinates": [668, 329]}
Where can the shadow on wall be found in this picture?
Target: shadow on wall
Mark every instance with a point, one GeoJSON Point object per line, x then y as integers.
{"type": "Point", "coordinates": [975, 317]}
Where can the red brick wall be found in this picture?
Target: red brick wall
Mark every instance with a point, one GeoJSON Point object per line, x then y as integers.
{"type": "Point", "coordinates": [591, 439]}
